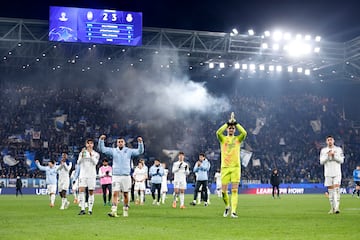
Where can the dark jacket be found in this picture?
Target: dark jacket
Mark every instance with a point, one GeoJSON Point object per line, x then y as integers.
{"type": "Point", "coordinates": [275, 179]}
{"type": "Point", "coordinates": [18, 183]}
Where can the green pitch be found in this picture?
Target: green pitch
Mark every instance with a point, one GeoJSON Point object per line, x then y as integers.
{"type": "Point", "coordinates": [260, 217]}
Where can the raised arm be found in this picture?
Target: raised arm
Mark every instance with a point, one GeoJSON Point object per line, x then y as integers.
{"type": "Point", "coordinates": [140, 148]}
{"type": "Point", "coordinates": [42, 168]}
{"type": "Point", "coordinates": [220, 132]}
{"type": "Point", "coordinates": [242, 132]}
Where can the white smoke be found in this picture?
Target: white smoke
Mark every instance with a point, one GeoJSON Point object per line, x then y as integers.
{"type": "Point", "coordinates": [161, 94]}
{"type": "Point", "coordinates": [163, 91]}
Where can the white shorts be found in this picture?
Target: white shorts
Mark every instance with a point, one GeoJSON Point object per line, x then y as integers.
{"type": "Point", "coordinates": [63, 185]}
{"type": "Point", "coordinates": [139, 186]}
{"type": "Point", "coordinates": [330, 181]}
{"type": "Point", "coordinates": [164, 187]}
{"type": "Point", "coordinates": [75, 186]}
{"type": "Point", "coordinates": [51, 188]}
{"type": "Point", "coordinates": [121, 183]}
{"type": "Point", "coordinates": [180, 184]}
{"type": "Point", "coordinates": [87, 182]}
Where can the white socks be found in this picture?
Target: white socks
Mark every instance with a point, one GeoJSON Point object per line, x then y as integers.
{"type": "Point", "coordinates": [91, 202]}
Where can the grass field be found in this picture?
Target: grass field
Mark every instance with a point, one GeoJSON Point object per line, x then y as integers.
{"type": "Point", "coordinates": [260, 217]}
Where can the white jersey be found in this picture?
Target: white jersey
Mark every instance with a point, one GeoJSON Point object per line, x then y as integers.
{"type": "Point", "coordinates": [64, 171]}
{"type": "Point", "coordinates": [180, 171]}
{"type": "Point", "coordinates": [87, 164]}
{"type": "Point", "coordinates": [218, 179]}
{"type": "Point", "coordinates": [140, 174]}
{"type": "Point", "coordinates": [332, 165]}
{"type": "Point", "coordinates": [164, 187]}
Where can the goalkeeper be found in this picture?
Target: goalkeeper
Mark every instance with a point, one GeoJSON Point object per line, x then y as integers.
{"type": "Point", "coordinates": [230, 162]}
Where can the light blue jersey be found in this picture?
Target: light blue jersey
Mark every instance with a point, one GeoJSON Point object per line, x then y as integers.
{"type": "Point", "coordinates": [202, 170]}
{"type": "Point", "coordinates": [156, 173]}
{"type": "Point", "coordinates": [51, 173]}
{"type": "Point", "coordinates": [121, 158]}
{"type": "Point", "coordinates": [356, 175]}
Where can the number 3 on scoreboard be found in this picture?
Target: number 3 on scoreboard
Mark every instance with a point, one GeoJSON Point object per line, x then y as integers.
{"type": "Point", "coordinates": [106, 17]}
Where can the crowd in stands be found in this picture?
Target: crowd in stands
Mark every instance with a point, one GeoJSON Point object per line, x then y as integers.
{"type": "Point", "coordinates": [284, 131]}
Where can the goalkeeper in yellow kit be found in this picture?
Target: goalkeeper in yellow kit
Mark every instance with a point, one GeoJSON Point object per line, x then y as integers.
{"type": "Point", "coordinates": [230, 162]}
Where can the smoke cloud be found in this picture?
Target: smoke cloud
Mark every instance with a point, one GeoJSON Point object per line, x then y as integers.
{"type": "Point", "coordinates": [160, 94]}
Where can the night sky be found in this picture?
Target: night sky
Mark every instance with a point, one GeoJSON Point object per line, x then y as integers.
{"type": "Point", "coordinates": [332, 19]}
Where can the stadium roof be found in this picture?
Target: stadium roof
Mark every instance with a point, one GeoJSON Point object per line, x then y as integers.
{"type": "Point", "coordinates": [24, 46]}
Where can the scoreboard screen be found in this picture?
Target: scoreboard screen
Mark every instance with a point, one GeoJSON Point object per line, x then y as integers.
{"type": "Point", "coordinates": [68, 24]}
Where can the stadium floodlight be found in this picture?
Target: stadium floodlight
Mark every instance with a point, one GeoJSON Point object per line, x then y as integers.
{"type": "Point", "coordinates": [234, 32]}
{"type": "Point", "coordinates": [306, 48]}
{"type": "Point", "coordinates": [317, 39]}
{"type": "Point", "coordinates": [222, 65]}
{"type": "Point", "coordinates": [287, 36]}
{"type": "Point", "coordinates": [297, 48]}
{"type": "Point", "coordinates": [316, 49]}
{"type": "Point", "coordinates": [211, 65]}
{"type": "Point", "coordinates": [298, 37]}
{"type": "Point", "coordinates": [278, 68]}
{"type": "Point", "coordinates": [264, 45]}
{"type": "Point", "coordinates": [277, 36]}
{"type": "Point", "coordinates": [261, 67]}
{"type": "Point", "coordinates": [251, 32]}
{"type": "Point", "coordinates": [275, 46]}
{"type": "Point", "coordinates": [271, 68]}
{"type": "Point", "coordinates": [307, 38]}
{"type": "Point", "coordinates": [290, 69]}
{"type": "Point", "coordinates": [267, 33]}
{"type": "Point", "coordinates": [307, 72]}
{"type": "Point", "coordinates": [236, 65]}
{"type": "Point", "coordinates": [252, 67]}
{"type": "Point", "coordinates": [299, 70]}
{"type": "Point", "coordinates": [244, 66]}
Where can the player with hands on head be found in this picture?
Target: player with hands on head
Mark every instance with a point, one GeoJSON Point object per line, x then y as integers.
{"type": "Point", "coordinates": [230, 162]}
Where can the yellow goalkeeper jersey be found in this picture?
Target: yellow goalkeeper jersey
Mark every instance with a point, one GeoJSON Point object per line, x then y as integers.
{"type": "Point", "coordinates": [230, 146]}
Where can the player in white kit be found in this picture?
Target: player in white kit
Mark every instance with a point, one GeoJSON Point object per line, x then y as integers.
{"type": "Point", "coordinates": [140, 175]}
{"type": "Point", "coordinates": [332, 157]}
{"type": "Point", "coordinates": [87, 160]}
{"type": "Point", "coordinates": [64, 180]}
{"type": "Point", "coordinates": [180, 170]}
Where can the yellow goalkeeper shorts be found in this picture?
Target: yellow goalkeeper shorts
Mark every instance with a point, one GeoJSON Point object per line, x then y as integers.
{"type": "Point", "coordinates": [230, 175]}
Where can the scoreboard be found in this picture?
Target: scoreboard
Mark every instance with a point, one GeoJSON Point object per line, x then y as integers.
{"type": "Point", "coordinates": [68, 24]}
